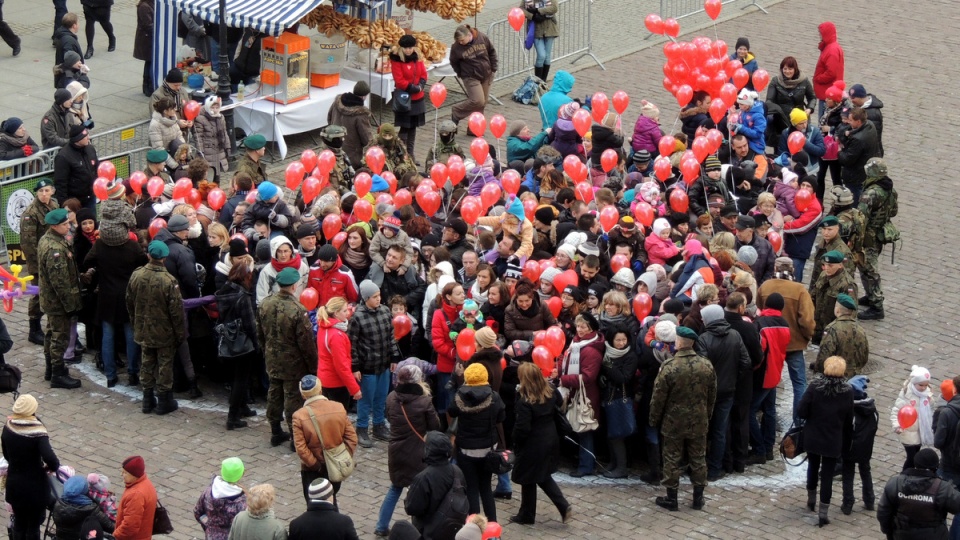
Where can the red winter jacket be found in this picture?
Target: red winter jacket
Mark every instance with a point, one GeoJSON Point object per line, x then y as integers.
{"type": "Point", "coordinates": [808, 219]}
{"type": "Point", "coordinates": [407, 73]}
{"type": "Point", "coordinates": [830, 64]}
{"type": "Point", "coordinates": [440, 336]}
{"type": "Point", "coordinates": [334, 357]}
{"type": "Point", "coordinates": [337, 281]}
{"type": "Point", "coordinates": [774, 339]}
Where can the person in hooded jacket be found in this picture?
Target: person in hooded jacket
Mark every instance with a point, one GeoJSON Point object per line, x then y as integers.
{"type": "Point", "coordinates": [551, 102]}
{"type": "Point", "coordinates": [432, 485]}
{"type": "Point", "coordinates": [915, 503]}
{"type": "Point", "coordinates": [411, 414]}
{"type": "Point", "coordinates": [563, 137]}
{"type": "Point", "coordinates": [221, 501]}
{"type": "Point", "coordinates": [526, 314]}
{"type": "Point", "coordinates": [753, 121]}
{"type": "Point", "coordinates": [480, 413]}
{"type": "Point", "coordinates": [522, 144]}
{"type": "Point", "coordinates": [582, 361]}
{"type": "Point", "coordinates": [830, 64]}
{"type": "Point", "coordinates": [865, 424]}
{"type": "Point", "coordinates": [74, 507]}
{"type": "Point", "coordinates": [283, 255]}
{"type": "Point", "coordinates": [213, 142]}
{"type": "Point", "coordinates": [871, 104]}
{"type": "Point", "coordinates": [607, 135]}
{"type": "Point", "coordinates": [350, 111]}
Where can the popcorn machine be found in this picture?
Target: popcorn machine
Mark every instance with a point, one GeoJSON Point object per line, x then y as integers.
{"type": "Point", "coordinates": [285, 68]}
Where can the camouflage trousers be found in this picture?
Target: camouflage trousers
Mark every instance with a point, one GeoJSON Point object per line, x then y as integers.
{"type": "Point", "coordinates": [674, 449]}
{"type": "Point", "coordinates": [870, 276]}
{"type": "Point", "coordinates": [156, 368]}
{"type": "Point", "coordinates": [283, 399]}
{"type": "Point", "coordinates": [56, 338]}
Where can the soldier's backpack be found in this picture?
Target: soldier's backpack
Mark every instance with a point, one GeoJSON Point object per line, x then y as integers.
{"type": "Point", "coordinates": [889, 233]}
{"type": "Point", "coordinates": [529, 91]}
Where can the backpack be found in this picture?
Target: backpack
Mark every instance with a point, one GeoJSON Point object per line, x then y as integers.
{"type": "Point", "coordinates": [10, 377]}
{"type": "Point", "coordinates": [529, 91]}
{"type": "Point", "coordinates": [452, 512]}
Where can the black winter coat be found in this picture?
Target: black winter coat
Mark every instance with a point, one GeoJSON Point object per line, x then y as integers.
{"type": "Point", "coordinates": [69, 518]}
{"type": "Point", "coordinates": [28, 457]}
{"type": "Point", "coordinates": [431, 485]}
{"type": "Point", "coordinates": [479, 410]}
{"type": "Point", "coordinates": [859, 145]}
{"type": "Point", "coordinates": [748, 333]}
{"type": "Point", "coordinates": [74, 170]}
{"type": "Point", "coordinates": [944, 432]}
{"type": "Point", "coordinates": [763, 267]}
{"type": "Point", "coordinates": [616, 376]}
{"type": "Point", "coordinates": [827, 408]}
{"type": "Point", "coordinates": [535, 440]}
{"type": "Point", "coordinates": [865, 424]}
{"type": "Point", "coordinates": [234, 302]}
{"type": "Point", "coordinates": [115, 265]}
{"type": "Point", "coordinates": [490, 359]}
{"type": "Point", "coordinates": [727, 353]}
{"type": "Point", "coordinates": [181, 264]}
{"type": "Point", "coordinates": [411, 415]}
{"type": "Point", "coordinates": [604, 138]}
{"type": "Point", "coordinates": [322, 516]}
{"type": "Point", "coordinates": [68, 42]}
{"type": "Point", "coordinates": [913, 519]}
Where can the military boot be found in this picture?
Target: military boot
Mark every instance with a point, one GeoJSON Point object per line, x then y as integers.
{"type": "Point", "coordinates": [48, 371]}
{"type": "Point", "coordinates": [277, 435]}
{"type": "Point", "coordinates": [670, 501]}
{"type": "Point", "coordinates": [698, 500]}
{"type": "Point", "coordinates": [36, 333]}
{"type": "Point", "coordinates": [871, 314]}
{"type": "Point", "coordinates": [166, 404]}
{"type": "Point", "coordinates": [62, 379]}
{"type": "Point", "coordinates": [149, 401]}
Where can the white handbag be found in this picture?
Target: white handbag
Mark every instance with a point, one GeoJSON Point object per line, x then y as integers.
{"type": "Point", "coordinates": [580, 412]}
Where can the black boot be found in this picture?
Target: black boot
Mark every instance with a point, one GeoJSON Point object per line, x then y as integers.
{"type": "Point", "coordinates": [652, 476]}
{"type": "Point", "coordinates": [48, 371]}
{"type": "Point", "coordinates": [537, 72]}
{"type": "Point", "coordinates": [822, 518]}
{"type": "Point", "coordinates": [545, 72]}
{"type": "Point", "coordinates": [618, 454]}
{"type": "Point", "coordinates": [670, 501]}
{"type": "Point", "coordinates": [166, 404]}
{"type": "Point", "coordinates": [89, 54]}
{"type": "Point", "coordinates": [113, 43]}
{"type": "Point", "coordinates": [62, 379]}
{"type": "Point", "coordinates": [871, 314]}
{"type": "Point", "coordinates": [233, 419]}
{"type": "Point", "coordinates": [194, 392]}
{"type": "Point", "coordinates": [277, 435]}
{"type": "Point", "coordinates": [36, 332]}
{"type": "Point", "coordinates": [698, 500]}
{"type": "Point", "coordinates": [246, 411]}
{"type": "Point", "coordinates": [149, 401]}
{"type": "Point", "coordinates": [811, 499]}
{"type": "Point", "coordinates": [868, 496]}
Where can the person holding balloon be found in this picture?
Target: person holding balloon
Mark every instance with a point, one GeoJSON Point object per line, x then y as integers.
{"type": "Point", "coordinates": [912, 414]}
{"type": "Point", "coordinates": [450, 299]}
{"type": "Point", "coordinates": [746, 58]}
{"type": "Point", "coordinates": [802, 136]}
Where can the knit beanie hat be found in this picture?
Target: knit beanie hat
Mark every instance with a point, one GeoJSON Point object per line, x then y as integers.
{"type": "Point", "coordinates": [26, 405]}
{"type": "Point", "coordinates": [174, 76]}
{"type": "Point", "coordinates": [834, 94]}
{"type": "Point", "coordinates": [327, 253]}
{"type": "Point", "coordinates": [231, 470]}
{"type": "Point", "coordinates": [409, 374]}
{"type": "Point", "coordinates": [711, 313]}
{"type": "Point", "coordinates": [475, 375]}
{"type": "Point", "coordinates": [797, 116]}
{"type": "Point", "coordinates": [266, 191]}
{"type": "Point", "coordinates": [320, 490]}
{"type": "Point", "coordinates": [659, 225]}
{"type": "Point", "coordinates": [116, 191]}
{"type": "Point", "coordinates": [919, 374]}
{"type": "Point", "coordinates": [747, 255]}
{"type": "Point", "coordinates": [712, 163]}
{"type": "Point", "coordinates": [774, 301]}
{"type": "Point", "coordinates": [310, 386]}
{"type": "Point", "coordinates": [742, 42]}
{"type": "Point", "coordinates": [649, 109]}
{"type": "Point", "coordinates": [77, 133]}
{"type": "Point", "coordinates": [485, 338]}
{"type": "Point", "coordinates": [361, 89]}
{"type": "Point", "coordinates": [567, 111]}
{"type": "Point", "coordinates": [665, 331]}
{"type": "Point", "coordinates": [549, 274]}
{"type": "Point", "coordinates": [11, 125]}
{"type": "Point", "coordinates": [567, 250]}
{"type": "Point", "coordinates": [135, 466]}
{"type": "Point", "coordinates": [62, 96]}
{"type": "Point", "coordinates": [368, 289]}
{"type": "Point", "coordinates": [516, 208]}
{"type": "Point", "coordinates": [747, 98]}
{"type": "Point", "coordinates": [927, 458]}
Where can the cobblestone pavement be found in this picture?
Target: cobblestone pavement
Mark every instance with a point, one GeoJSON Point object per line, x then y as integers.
{"type": "Point", "coordinates": [893, 55]}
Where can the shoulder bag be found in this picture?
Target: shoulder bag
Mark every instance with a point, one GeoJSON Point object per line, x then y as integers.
{"type": "Point", "coordinates": [832, 148]}
{"type": "Point", "coordinates": [409, 423]}
{"type": "Point", "coordinates": [621, 420]}
{"type": "Point", "coordinates": [580, 411]}
{"type": "Point", "coordinates": [233, 340]}
{"type": "Point", "coordinates": [400, 101]}
{"type": "Point", "coordinates": [338, 460]}
{"type": "Point", "coordinates": [791, 446]}
{"type": "Point", "coordinates": [161, 520]}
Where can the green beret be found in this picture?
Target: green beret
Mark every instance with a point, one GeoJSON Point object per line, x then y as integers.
{"type": "Point", "coordinates": [830, 221]}
{"type": "Point", "coordinates": [42, 183]}
{"type": "Point", "coordinates": [255, 141]}
{"type": "Point", "coordinates": [287, 277]}
{"type": "Point", "coordinates": [158, 250]}
{"type": "Point", "coordinates": [55, 217]}
{"type": "Point", "coordinates": [689, 333]}
{"type": "Point", "coordinates": [157, 155]}
{"type": "Point", "coordinates": [834, 257]}
{"type": "Point", "coordinates": [846, 301]}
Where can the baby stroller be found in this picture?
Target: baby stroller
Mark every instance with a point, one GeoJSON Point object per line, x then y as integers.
{"type": "Point", "coordinates": [55, 480]}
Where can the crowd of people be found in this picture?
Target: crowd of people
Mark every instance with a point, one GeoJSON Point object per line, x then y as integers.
{"type": "Point", "coordinates": [642, 310]}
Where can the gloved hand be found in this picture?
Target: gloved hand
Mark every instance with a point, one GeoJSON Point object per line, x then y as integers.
{"type": "Point", "coordinates": [272, 215]}
{"type": "Point", "coordinates": [89, 124]}
{"type": "Point", "coordinates": [453, 336]}
{"type": "Point", "coordinates": [413, 89]}
{"type": "Point", "coordinates": [657, 345]}
{"type": "Point", "coordinates": [736, 128]}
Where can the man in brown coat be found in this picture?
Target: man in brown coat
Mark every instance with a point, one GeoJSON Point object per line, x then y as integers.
{"type": "Point", "coordinates": [350, 111]}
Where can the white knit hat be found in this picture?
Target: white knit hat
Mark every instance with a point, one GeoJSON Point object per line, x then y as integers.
{"type": "Point", "coordinates": [665, 331]}
{"type": "Point", "coordinates": [624, 276]}
{"type": "Point", "coordinates": [919, 375]}
{"type": "Point", "coordinates": [659, 225]}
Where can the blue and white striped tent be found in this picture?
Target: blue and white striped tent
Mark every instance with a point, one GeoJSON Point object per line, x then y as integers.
{"type": "Point", "coordinates": [267, 16]}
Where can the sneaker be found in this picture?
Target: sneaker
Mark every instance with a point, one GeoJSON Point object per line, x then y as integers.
{"type": "Point", "coordinates": [363, 438]}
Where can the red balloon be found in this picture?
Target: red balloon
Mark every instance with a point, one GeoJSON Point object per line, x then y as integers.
{"type": "Point", "coordinates": [795, 141]}
{"type": "Point", "coordinates": [712, 7]}
{"type": "Point", "coordinates": [666, 146]}
{"type": "Point", "coordinates": [310, 298]}
{"type": "Point", "coordinates": [679, 201]}
{"type": "Point", "coordinates": [310, 189]}
{"type": "Point", "coordinates": [802, 199]}
{"type": "Point", "coordinates": [438, 94]}
{"type": "Point", "coordinates": [391, 180]}
{"type": "Point", "coordinates": [479, 149]}
{"type": "Point", "coordinates": [608, 218]}
{"type": "Point", "coordinates": [760, 79]}
{"type": "Point", "coordinates": [690, 169]}
{"type": "Point", "coordinates": [531, 271]}
{"type": "Point", "coordinates": [191, 109]}
{"type": "Point", "coordinates": [456, 171]}
{"type": "Point", "coordinates": [402, 325]}
{"type": "Point", "coordinates": [466, 343]}
{"type": "Point", "coordinates": [309, 159]}
{"type": "Point", "coordinates": [662, 168]}
{"type": "Point", "coordinates": [339, 239]}
{"type": "Point", "coordinates": [620, 101]}
{"type": "Point", "coordinates": [567, 277]}
{"type": "Point", "coordinates": [599, 105]}
{"type": "Point", "coordinates": [137, 180]}
{"type": "Point", "coordinates": [470, 210]}
{"type": "Point", "coordinates": [107, 170]}
{"type": "Point", "coordinates": [609, 159]}
{"type": "Point", "coordinates": [402, 197]}
{"type": "Point", "coordinates": [715, 138]}
{"type": "Point", "coordinates": [326, 161]}
{"type": "Point", "coordinates": [510, 180]}
{"type": "Point", "coordinates": [155, 226]}
{"type": "Point", "coordinates": [907, 416]}
{"type": "Point", "coordinates": [498, 125]}
{"type": "Point", "coordinates": [516, 18]}
{"type": "Point", "coordinates": [543, 359]}
{"type": "Point", "coordinates": [362, 183]}
{"type": "Point", "coordinates": [642, 304]}
{"type": "Point", "coordinates": [294, 175]}
{"type": "Point", "coordinates": [654, 24]}
{"type": "Point", "coordinates": [529, 208]}
{"type": "Point", "coordinates": [728, 93]}
{"type": "Point", "coordinates": [684, 95]}
{"type": "Point", "coordinates": [619, 261]}
{"type": "Point", "coordinates": [718, 109]}
{"type": "Point", "coordinates": [740, 78]}
{"type": "Point", "coordinates": [251, 197]}
{"type": "Point", "coordinates": [720, 47]}
{"type": "Point", "coordinates": [732, 66]}
{"type": "Point", "coordinates": [701, 148]}
{"type": "Point", "coordinates": [100, 188]}
{"type": "Point", "coordinates": [555, 340]}
{"type": "Point", "coordinates": [363, 210]}
{"type": "Point", "coordinates": [584, 192]}
{"type": "Point", "coordinates": [555, 305]}
{"type": "Point", "coordinates": [673, 51]}
{"type": "Point", "coordinates": [582, 121]}
{"type": "Point", "coordinates": [331, 225]}
{"type": "Point", "coordinates": [385, 198]}
{"type": "Point", "coordinates": [193, 199]}
{"type": "Point", "coordinates": [477, 124]}
{"type": "Point", "coordinates": [426, 186]}
{"type": "Point", "coordinates": [376, 159]}
{"type": "Point", "coordinates": [430, 203]}
{"type": "Point", "coordinates": [671, 27]}
{"type": "Point", "coordinates": [155, 186]}
{"type": "Point", "coordinates": [571, 166]}
{"type": "Point", "coordinates": [644, 213]}
{"type": "Point", "coordinates": [490, 194]}
{"type": "Point", "coordinates": [182, 188]}
{"type": "Point", "coordinates": [538, 338]}
{"type": "Point", "coordinates": [775, 240]}
{"type": "Point", "coordinates": [216, 198]}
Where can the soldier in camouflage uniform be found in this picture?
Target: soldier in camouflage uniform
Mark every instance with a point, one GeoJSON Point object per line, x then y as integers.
{"type": "Point", "coordinates": [833, 281]}
{"type": "Point", "coordinates": [877, 205]}
{"type": "Point", "coordinates": [249, 162]}
{"type": "Point", "coordinates": [681, 406]}
{"type": "Point", "coordinates": [290, 350]}
{"type": "Point", "coordinates": [32, 228]}
{"type": "Point", "coordinates": [342, 174]}
{"type": "Point", "coordinates": [155, 305]}
{"type": "Point", "coordinates": [446, 145]}
{"type": "Point", "coordinates": [844, 337]}
{"type": "Point", "coordinates": [60, 298]}
{"type": "Point", "coordinates": [398, 161]}
{"type": "Point", "coordinates": [852, 224]}
{"type": "Point", "coordinates": [830, 241]}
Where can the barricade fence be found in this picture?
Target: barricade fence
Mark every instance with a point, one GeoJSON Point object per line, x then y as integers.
{"type": "Point", "coordinates": [679, 9]}
{"type": "Point", "coordinates": [575, 20]}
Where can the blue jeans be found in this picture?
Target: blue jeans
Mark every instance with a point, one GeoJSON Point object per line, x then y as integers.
{"type": "Point", "coordinates": [719, 425]}
{"type": "Point", "coordinates": [389, 504]}
{"type": "Point", "coordinates": [374, 388]}
{"type": "Point", "coordinates": [588, 461]}
{"type": "Point", "coordinates": [110, 355]}
{"type": "Point", "coordinates": [798, 265]}
{"type": "Point", "coordinates": [955, 526]}
{"type": "Point", "coordinates": [503, 484]}
{"type": "Point", "coordinates": [821, 106]}
{"type": "Point", "coordinates": [442, 401]}
{"type": "Point", "coordinates": [763, 435]}
{"type": "Point", "coordinates": [798, 376]}
{"type": "Point", "coordinates": [543, 46]}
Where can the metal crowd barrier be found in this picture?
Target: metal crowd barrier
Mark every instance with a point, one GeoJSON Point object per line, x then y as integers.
{"type": "Point", "coordinates": [679, 9]}
{"type": "Point", "coordinates": [575, 20]}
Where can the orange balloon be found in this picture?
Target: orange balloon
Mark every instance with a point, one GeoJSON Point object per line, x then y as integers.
{"type": "Point", "coordinates": [310, 298]}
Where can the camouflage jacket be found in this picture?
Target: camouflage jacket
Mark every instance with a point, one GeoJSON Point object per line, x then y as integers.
{"type": "Point", "coordinates": [343, 172]}
{"type": "Point", "coordinates": [251, 167]}
{"type": "Point", "coordinates": [286, 337]}
{"type": "Point", "coordinates": [57, 277]}
{"type": "Point", "coordinates": [441, 152]}
{"type": "Point", "coordinates": [398, 160]}
{"type": "Point", "coordinates": [837, 244]}
{"type": "Point", "coordinates": [852, 229]}
{"type": "Point", "coordinates": [156, 307]}
{"type": "Point", "coordinates": [877, 207]}
{"type": "Point", "coordinates": [683, 395]}
{"type": "Point", "coordinates": [844, 337]}
{"type": "Point", "coordinates": [32, 228]}
{"type": "Point", "coordinates": [824, 294]}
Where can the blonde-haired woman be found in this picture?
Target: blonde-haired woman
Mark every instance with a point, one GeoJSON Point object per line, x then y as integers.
{"type": "Point", "coordinates": [334, 352]}
{"type": "Point", "coordinates": [767, 205]}
{"type": "Point", "coordinates": [257, 522]}
{"type": "Point", "coordinates": [827, 409]}
{"type": "Point", "coordinates": [537, 444]}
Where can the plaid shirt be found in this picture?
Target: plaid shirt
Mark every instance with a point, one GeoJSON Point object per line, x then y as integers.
{"type": "Point", "coordinates": [371, 335]}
